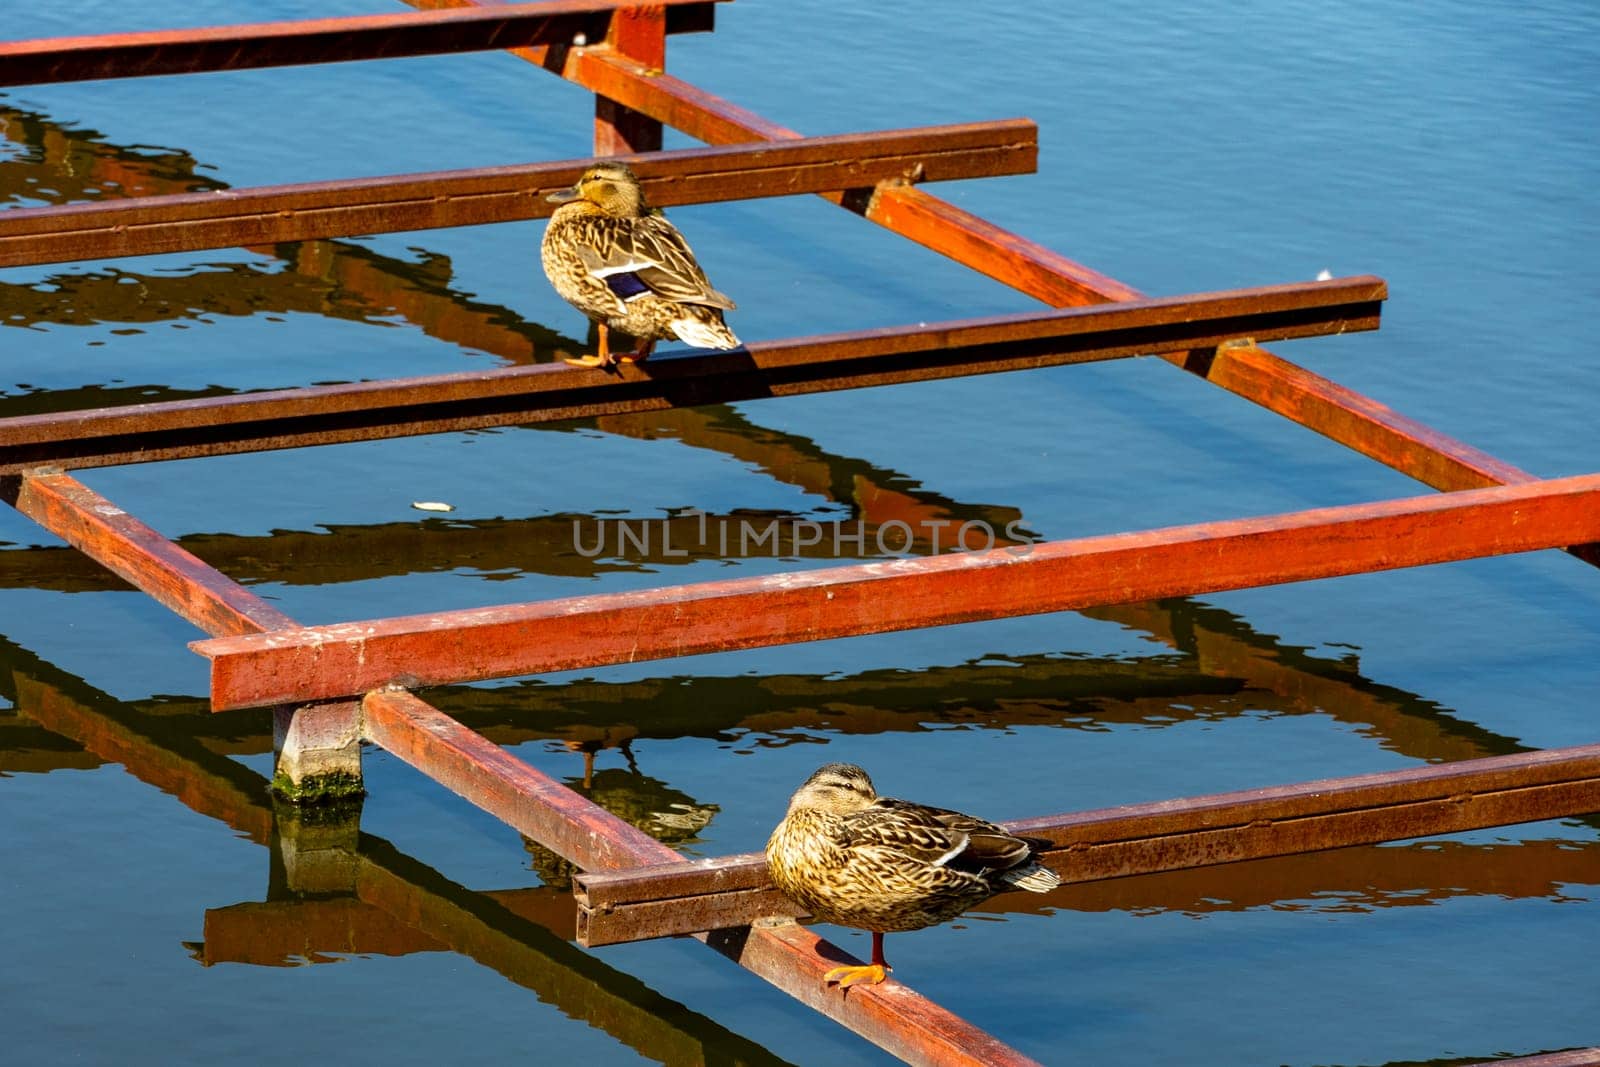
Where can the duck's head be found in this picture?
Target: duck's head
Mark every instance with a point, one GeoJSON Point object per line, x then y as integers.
{"type": "Point", "coordinates": [611, 187]}
{"type": "Point", "coordinates": [835, 787]}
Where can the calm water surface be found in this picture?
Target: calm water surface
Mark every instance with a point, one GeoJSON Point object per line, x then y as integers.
{"type": "Point", "coordinates": [1449, 147]}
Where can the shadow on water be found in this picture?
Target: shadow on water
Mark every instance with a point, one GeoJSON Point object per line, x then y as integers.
{"type": "Point", "coordinates": [333, 891]}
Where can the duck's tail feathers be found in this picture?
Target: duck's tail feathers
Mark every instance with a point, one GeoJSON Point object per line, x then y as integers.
{"type": "Point", "coordinates": [1034, 877]}
{"type": "Point", "coordinates": [704, 330]}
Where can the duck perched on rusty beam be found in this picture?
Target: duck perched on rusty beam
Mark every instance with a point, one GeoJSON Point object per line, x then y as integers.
{"type": "Point", "coordinates": [629, 269]}
{"type": "Point", "coordinates": [853, 858]}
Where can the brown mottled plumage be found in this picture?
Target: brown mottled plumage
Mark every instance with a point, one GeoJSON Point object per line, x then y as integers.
{"type": "Point", "coordinates": [628, 268]}
{"type": "Point", "coordinates": [853, 858]}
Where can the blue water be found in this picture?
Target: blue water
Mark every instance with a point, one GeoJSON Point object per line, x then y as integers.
{"type": "Point", "coordinates": [1448, 147]}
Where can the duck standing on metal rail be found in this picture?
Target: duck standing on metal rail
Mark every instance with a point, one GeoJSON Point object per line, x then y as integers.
{"type": "Point", "coordinates": [853, 858]}
{"type": "Point", "coordinates": [628, 268]}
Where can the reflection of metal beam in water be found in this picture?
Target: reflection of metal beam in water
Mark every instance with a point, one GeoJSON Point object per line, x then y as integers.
{"type": "Point", "coordinates": [1225, 646]}
{"type": "Point", "coordinates": [152, 751]}
{"type": "Point", "coordinates": [492, 933]}
{"type": "Point", "coordinates": [336, 279]}
{"type": "Point", "coordinates": [506, 932]}
{"type": "Point", "coordinates": [62, 163]}
{"type": "Point", "coordinates": [875, 495]}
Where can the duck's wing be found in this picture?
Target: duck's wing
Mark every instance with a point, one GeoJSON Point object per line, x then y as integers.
{"type": "Point", "coordinates": [937, 836]}
{"type": "Point", "coordinates": [650, 254]}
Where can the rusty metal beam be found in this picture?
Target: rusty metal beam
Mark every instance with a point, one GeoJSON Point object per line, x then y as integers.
{"type": "Point", "coordinates": [329, 40]}
{"type": "Point", "coordinates": [440, 649]}
{"type": "Point", "coordinates": [182, 222]}
{"type": "Point", "coordinates": [1137, 839]}
{"type": "Point", "coordinates": [550, 392]}
{"type": "Point", "coordinates": [792, 958]}
{"type": "Point", "coordinates": [127, 547]}
{"type": "Point", "coordinates": [1345, 416]}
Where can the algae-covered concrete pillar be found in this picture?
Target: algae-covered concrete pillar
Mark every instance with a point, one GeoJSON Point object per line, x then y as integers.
{"type": "Point", "coordinates": [317, 752]}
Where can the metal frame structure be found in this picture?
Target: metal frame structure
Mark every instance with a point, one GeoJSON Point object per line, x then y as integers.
{"type": "Point", "coordinates": [332, 687]}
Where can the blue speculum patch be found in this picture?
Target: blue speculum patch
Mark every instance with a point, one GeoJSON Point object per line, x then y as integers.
{"type": "Point", "coordinates": [627, 286]}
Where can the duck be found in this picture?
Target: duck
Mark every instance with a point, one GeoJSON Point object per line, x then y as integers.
{"type": "Point", "coordinates": [628, 269]}
{"type": "Point", "coordinates": [853, 858]}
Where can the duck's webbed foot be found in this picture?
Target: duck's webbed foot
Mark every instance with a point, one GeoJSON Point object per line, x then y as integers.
{"type": "Point", "coordinates": [640, 353]}
{"type": "Point", "coordinates": [871, 973]}
{"type": "Point", "coordinates": [602, 357]}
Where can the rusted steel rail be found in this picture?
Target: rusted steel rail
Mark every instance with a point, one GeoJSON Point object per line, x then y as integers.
{"type": "Point", "coordinates": [183, 222]}
{"type": "Point", "coordinates": [549, 392]}
{"type": "Point", "coordinates": [1146, 838]}
{"type": "Point", "coordinates": [329, 40]}
{"type": "Point", "coordinates": [1353, 420]}
{"type": "Point", "coordinates": [793, 959]}
{"type": "Point", "coordinates": [790, 957]}
{"type": "Point", "coordinates": [439, 649]}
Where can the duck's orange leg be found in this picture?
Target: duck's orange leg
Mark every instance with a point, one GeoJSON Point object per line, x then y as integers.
{"type": "Point", "coordinates": [602, 357]}
{"type": "Point", "coordinates": [871, 973]}
{"type": "Point", "coordinates": [641, 352]}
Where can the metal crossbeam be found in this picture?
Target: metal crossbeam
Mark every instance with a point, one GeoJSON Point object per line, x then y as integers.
{"type": "Point", "coordinates": [684, 897]}
{"type": "Point", "coordinates": [330, 40]}
{"type": "Point", "coordinates": [186, 222]}
{"type": "Point", "coordinates": [440, 649]}
{"type": "Point", "coordinates": [550, 392]}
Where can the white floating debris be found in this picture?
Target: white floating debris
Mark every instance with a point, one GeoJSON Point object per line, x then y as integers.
{"type": "Point", "coordinates": [1324, 275]}
{"type": "Point", "coordinates": [432, 505]}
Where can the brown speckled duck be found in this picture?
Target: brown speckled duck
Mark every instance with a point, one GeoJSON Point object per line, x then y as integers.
{"type": "Point", "coordinates": [628, 268]}
{"type": "Point", "coordinates": [853, 858]}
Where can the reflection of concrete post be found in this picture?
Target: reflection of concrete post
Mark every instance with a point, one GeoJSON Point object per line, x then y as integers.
{"type": "Point", "coordinates": [317, 752]}
{"type": "Point", "coordinates": [314, 850]}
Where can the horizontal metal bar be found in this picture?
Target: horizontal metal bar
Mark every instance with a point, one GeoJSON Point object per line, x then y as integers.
{"type": "Point", "coordinates": [1136, 839]}
{"type": "Point", "coordinates": [328, 40]}
{"type": "Point", "coordinates": [181, 222]}
{"type": "Point", "coordinates": [550, 392]}
{"type": "Point", "coordinates": [440, 649]}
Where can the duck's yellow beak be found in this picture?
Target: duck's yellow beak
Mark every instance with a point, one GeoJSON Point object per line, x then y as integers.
{"type": "Point", "coordinates": [564, 196]}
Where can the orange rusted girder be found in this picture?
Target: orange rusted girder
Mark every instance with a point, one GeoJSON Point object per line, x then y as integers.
{"type": "Point", "coordinates": [548, 392]}
{"type": "Point", "coordinates": [1330, 409]}
{"type": "Point", "coordinates": [332, 40]}
{"type": "Point", "coordinates": [1087, 846]}
{"type": "Point", "coordinates": [182, 222]}
{"type": "Point", "coordinates": [438, 649]}
{"type": "Point", "coordinates": [790, 957]}
{"type": "Point", "coordinates": [793, 959]}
